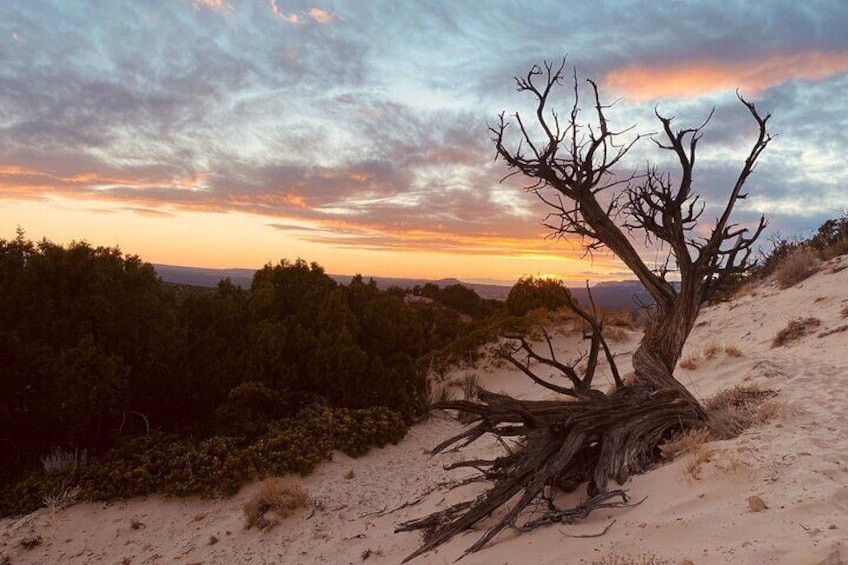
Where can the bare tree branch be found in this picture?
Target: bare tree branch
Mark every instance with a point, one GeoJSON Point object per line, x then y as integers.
{"type": "Point", "coordinates": [594, 438]}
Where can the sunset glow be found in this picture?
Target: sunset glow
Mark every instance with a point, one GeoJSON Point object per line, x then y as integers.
{"type": "Point", "coordinates": [691, 79]}
{"type": "Point", "coordinates": [231, 133]}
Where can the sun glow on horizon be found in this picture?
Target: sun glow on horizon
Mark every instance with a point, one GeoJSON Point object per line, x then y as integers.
{"type": "Point", "coordinates": [238, 240]}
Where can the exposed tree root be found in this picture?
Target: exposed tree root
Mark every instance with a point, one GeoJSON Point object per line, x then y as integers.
{"type": "Point", "coordinates": [566, 444]}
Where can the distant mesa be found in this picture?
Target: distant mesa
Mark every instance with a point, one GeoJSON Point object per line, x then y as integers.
{"type": "Point", "coordinates": [202, 277]}
{"type": "Point", "coordinates": [611, 294]}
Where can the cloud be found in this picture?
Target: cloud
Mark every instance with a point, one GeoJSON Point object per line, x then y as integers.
{"type": "Point", "coordinates": [321, 16]}
{"type": "Point", "coordinates": [291, 18]}
{"type": "Point", "coordinates": [317, 15]}
{"type": "Point", "coordinates": [690, 79]}
{"type": "Point", "coordinates": [150, 212]}
{"type": "Point", "coordinates": [372, 134]}
{"type": "Point", "coordinates": [215, 5]}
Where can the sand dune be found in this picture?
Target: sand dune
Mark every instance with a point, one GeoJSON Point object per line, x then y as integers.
{"type": "Point", "coordinates": [797, 464]}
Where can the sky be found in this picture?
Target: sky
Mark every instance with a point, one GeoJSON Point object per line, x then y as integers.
{"type": "Point", "coordinates": [233, 133]}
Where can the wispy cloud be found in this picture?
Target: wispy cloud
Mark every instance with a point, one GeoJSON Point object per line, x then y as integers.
{"type": "Point", "coordinates": [317, 15]}
{"type": "Point", "coordinates": [691, 79]}
{"type": "Point", "coordinates": [292, 18]}
{"type": "Point", "coordinates": [372, 135]}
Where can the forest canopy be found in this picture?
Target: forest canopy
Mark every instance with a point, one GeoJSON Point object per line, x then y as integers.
{"type": "Point", "coordinates": [96, 349]}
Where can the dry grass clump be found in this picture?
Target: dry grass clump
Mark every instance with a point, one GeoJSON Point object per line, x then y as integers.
{"type": "Point", "coordinates": [687, 442]}
{"type": "Point", "coordinates": [730, 413]}
{"type": "Point", "coordinates": [774, 409]}
{"type": "Point", "coordinates": [732, 351]}
{"type": "Point", "coordinates": [795, 330]}
{"type": "Point", "coordinates": [690, 363]}
{"type": "Point", "coordinates": [619, 317]}
{"type": "Point", "coordinates": [61, 497]}
{"type": "Point", "coordinates": [61, 461]}
{"type": "Point", "coordinates": [734, 410]}
{"type": "Point", "coordinates": [731, 420]}
{"type": "Point", "coordinates": [275, 500]}
{"type": "Point", "coordinates": [696, 461]}
{"type": "Point", "coordinates": [711, 350]}
{"type": "Point", "coordinates": [798, 265]}
{"type": "Point", "coordinates": [747, 288]}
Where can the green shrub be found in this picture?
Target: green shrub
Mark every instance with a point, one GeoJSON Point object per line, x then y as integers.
{"type": "Point", "coordinates": [217, 466]}
{"type": "Point", "coordinates": [532, 293]}
{"type": "Point", "coordinates": [831, 239]}
{"type": "Point", "coordinates": [248, 408]}
{"type": "Point", "coordinates": [357, 430]}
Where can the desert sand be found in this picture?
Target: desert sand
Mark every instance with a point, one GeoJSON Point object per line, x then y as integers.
{"type": "Point", "coordinates": [695, 508]}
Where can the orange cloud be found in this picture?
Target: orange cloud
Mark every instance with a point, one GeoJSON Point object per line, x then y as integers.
{"type": "Point", "coordinates": [321, 16]}
{"type": "Point", "coordinates": [358, 177]}
{"type": "Point", "coordinates": [21, 182]}
{"type": "Point", "coordinates": [316, 14]}
{"type": "Point", "coordinates": [291, 18]}
{"type": "Point", "coordinates": [195, 181]}
{"type": "Point", "coordinates": [695, 78]}
{"type": "Point", "coordinates": [380, 236]}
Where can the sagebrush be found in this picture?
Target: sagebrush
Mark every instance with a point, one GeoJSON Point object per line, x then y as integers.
{"type": "Point", "coordinates": [215, 466]}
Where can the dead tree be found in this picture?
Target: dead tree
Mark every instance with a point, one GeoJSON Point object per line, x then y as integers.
{"type": "Point", "coordinates": [591, 437]}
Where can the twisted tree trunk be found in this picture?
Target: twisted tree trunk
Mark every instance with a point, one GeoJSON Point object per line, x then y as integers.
{"type": "Point", "coordinates": [594, 438]}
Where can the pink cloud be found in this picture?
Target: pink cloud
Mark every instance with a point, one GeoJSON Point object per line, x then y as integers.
{"type": "Point", "coordinates": [321, 16]}
{"type": "Point", "coordinates": [690, 79]}
{"type": "Point", "coordinates": [291, 18]}
{"type": "Point", "coordinates": [315, 14]}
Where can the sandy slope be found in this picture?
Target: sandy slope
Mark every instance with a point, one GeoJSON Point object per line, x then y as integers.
{"type": "Point", "coordinates": [798, 464]}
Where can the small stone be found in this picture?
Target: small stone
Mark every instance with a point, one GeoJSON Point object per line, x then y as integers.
{"type": "Point", "coordinates": [687, 562]}
{"type": "Point", "coordinates": [643, 525]}
{"type": "Point", "coordinates": [756, 504]}
{"type": "Point", "coordinates": [213, 540]}
{"type": "Point", "coordinates": [831, 527]}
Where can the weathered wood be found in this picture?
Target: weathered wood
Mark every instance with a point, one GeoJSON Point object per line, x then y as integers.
{"type": "Point", "coordinates": [593, 438]}
{"type": "Point", "coordinates": [567, 444]}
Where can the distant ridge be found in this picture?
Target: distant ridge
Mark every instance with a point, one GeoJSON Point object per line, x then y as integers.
{"type": "Point", "coordinates": [614, 294]}
{"type": "Point", "coordinates": [198, 276]}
